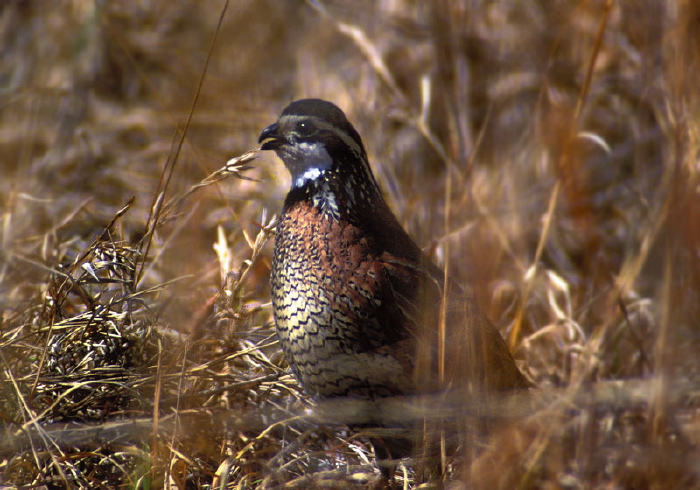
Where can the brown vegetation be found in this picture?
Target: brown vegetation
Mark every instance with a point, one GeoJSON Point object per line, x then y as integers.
{"type": "Point", "coordinates": [546, 153]}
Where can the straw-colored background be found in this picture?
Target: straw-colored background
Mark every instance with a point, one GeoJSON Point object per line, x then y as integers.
{"type": "Point", "coordinates": [547, 152]}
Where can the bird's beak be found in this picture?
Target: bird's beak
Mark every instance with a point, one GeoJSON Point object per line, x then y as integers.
{"type": "Point", "coordinates": [270, 138]}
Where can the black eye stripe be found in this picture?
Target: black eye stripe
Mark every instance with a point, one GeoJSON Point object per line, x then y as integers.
{"type": "Point", "coordinates": [305, 128]}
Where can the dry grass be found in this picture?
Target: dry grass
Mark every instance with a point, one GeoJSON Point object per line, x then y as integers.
{"type": "Point", "coordinates": [545, 152]}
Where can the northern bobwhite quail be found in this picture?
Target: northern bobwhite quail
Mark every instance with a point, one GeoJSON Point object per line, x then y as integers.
{"type": "Point", "coordinates": [356, 302]}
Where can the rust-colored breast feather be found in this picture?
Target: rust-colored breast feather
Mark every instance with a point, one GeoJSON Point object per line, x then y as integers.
{"type": "Point", "coordinates": [332, 308]}
{"type": "Point", "coordinates": [356, 320]}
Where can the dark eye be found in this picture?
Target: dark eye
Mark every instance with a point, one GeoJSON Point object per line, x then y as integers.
{"type": "Point", "coordinates": [305, 128]}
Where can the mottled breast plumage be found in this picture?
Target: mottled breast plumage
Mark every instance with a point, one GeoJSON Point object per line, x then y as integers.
{"type": "Point", "coordinates": [326, 283]}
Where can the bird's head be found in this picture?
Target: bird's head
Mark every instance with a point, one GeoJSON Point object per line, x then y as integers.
{"type": "Point", "coordinates": [315, 141]}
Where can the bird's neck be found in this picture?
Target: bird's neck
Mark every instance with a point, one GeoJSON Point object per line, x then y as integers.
{"type": "Point", "coordinates": [336, 196]}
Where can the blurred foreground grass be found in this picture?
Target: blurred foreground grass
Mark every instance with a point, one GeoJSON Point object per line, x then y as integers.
{"type": "Point", "coordinates": [546, 152]}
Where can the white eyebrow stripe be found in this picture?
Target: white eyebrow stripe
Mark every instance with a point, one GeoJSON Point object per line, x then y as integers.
{"type": "Point", "coordinates": [322, 124]}
{"type": "Point", "coordinates": [351, 144]}
{"type": "Point", "coordinates": [317, 171]}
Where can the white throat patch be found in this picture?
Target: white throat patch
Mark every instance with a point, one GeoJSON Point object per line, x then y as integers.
{"type": "Point", "coordinates": [309, 174]}
{"type": "Point", "coordinates": [312, 159]}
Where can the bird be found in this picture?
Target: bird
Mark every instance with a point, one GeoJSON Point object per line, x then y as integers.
{"type": "Point", "coordinates": [358, 306]}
